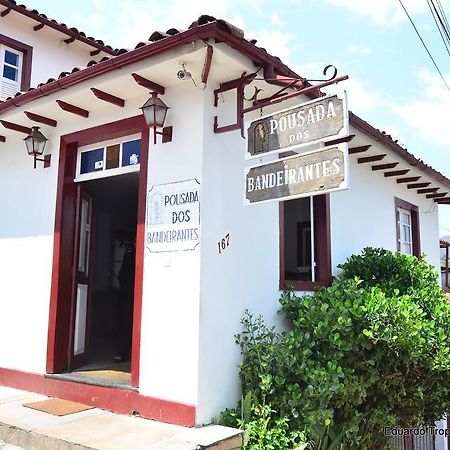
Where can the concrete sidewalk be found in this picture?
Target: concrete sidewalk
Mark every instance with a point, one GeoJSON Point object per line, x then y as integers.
{"type": "Point", "coordinates": [99, 429]}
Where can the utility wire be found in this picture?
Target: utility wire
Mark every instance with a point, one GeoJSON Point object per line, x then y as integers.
{"type": "Point", "coordinates": [440, 25]}
{"type": "Point", "coordinates": [441, 9]}
{"type": "Point", "coordinates": [425, 46]}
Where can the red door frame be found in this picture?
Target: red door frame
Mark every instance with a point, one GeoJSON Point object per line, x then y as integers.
{"type": "Point", "coordinates": [58, 330]}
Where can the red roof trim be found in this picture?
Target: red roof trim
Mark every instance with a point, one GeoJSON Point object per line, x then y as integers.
{"type": "Point", "coordinates": [71, 32]}
{"type": "Point", "coordinates": [211, 30]}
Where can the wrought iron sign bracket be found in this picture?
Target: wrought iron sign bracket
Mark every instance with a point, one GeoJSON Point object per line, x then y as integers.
{"type": "Point", "coordinates": [301, 86]}
{"type": "Point", "coordinates": [239, 85]}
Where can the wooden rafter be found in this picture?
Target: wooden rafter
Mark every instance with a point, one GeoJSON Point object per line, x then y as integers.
{"type": "Point", "coordinates": [427, 190]}
{"type": "Point", "coordinates": [368, 159]}
{"type": "Point", "coordinates": [151, 85]}
{"type": "Point", "coordinates": [102, 95]}
{"type": "Point", "coordinates": [41, 119]}
{"type": "Point", "coordinates": [5, 12]}
{"type": "Point", "coordinates": [418, 185]}
{"type": "Point", "coordinates": [73, 109]}
{"type": "Point", "coordinates": [360, 149]}
{"type": "Point", "coordinates": [15, 127]}
{"type": "Point", "coordinates": [385, 166]}
{"type": "Point", "coordinates": [340, 140]}
{"type": "Point", "coordinates": [207, 64]}
{"type": "Point", "coordinates": [408, 179]}
{"type": "Point", "coordinates": [2, 138]}
{"type": "Point", "coordinates": [396, 173]}
{"type": "Point", "coordinates": [95, 52]}
{"type": "Point", "coordinates": [69, 40]}
{"type": "Point", "coordinates": [443, 201]}
{"type": "Point", "coordinates": [437, 195]}
{"type": "Point", "coordinates": [38, 27]}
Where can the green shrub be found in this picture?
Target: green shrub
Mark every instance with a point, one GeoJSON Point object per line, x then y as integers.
{"type": "Point", "coordinates": [371, 351]}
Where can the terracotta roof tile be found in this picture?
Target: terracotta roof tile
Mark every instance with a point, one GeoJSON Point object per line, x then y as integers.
{"type": "Point", "coordinates": [237, 32]}
{"type": "Point", "coordinates": [60, 26]}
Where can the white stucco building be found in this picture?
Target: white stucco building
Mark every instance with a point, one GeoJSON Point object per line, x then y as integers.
{"type": "Point", "coordinates": [110, 188]}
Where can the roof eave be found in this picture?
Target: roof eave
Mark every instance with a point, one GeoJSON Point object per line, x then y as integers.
{"type": "Point", "coordinates": [365, 127]}
{"type": "Point", "coordinates": [211, 30]}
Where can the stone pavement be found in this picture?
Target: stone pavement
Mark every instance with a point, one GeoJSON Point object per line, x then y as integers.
{"type": "Point", "coordinates": [97, 429]}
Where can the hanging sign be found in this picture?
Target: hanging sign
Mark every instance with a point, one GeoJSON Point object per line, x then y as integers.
{"type": "Point", "coordinates": [318, 172]}
{"type": "Point", "coordinates": [173, 217]}
{"type": "Point", "coordinates": [319, 120]}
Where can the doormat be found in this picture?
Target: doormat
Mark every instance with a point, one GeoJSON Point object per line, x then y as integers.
{"type": "Point", "coordinates": [58, 406]}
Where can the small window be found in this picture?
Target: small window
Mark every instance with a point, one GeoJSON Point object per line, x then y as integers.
{"type": "Point", "coordinates": [15, 66]}
{"type": "Point", "coordinates": [408, 232]}
{"type": "Point", "coordinates": [305, 257]}
{"type": "Point", "coordinates": [11, 69]}
{"type": "Point", "coordinates": [109, 158]}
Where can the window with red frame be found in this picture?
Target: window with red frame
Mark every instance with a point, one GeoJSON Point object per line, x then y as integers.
{"type": "Point", "coordinates": [305, 255]}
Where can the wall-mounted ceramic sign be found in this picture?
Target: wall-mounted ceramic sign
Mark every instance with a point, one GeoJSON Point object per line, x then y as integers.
{"type": "Point", "coordinates": [173, 217]}
{"type": "Point", "coordinates": [323, 119]}
{"type": "Point", "coordinates": [318, 172]}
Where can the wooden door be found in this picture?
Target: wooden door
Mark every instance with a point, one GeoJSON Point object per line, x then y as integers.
{"type": "Point", "coordinates": [81, 282]}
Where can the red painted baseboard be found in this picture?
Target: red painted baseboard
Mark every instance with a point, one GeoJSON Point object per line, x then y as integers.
{"type": "Point", "coordinates": [116, 400]}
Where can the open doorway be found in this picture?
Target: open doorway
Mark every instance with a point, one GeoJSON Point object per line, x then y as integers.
{"type": "Point", "coordinates": [110, 296]}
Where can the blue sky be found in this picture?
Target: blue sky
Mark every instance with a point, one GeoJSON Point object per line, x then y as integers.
{"type": "Point", "coordinates": [393, 84]}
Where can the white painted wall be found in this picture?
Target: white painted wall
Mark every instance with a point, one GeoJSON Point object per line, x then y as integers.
{"type": "Point", "coordinates": [27, 199]}
{"type": "Point", "coordinates": [51, 55]}
{"type": "Point", "coordinates": [364, 215]}
{"type": "Point", "coordinates": [170, 315]}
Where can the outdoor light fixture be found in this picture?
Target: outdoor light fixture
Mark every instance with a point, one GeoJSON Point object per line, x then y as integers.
{"type": "Point", "coordinates": [155, 111]}
{"type": "Point", "coordinates": [35, 143]}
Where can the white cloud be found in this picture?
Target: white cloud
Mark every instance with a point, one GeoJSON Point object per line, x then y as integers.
{"type": "Point", "coordinates": [360, 99]}
{"type": "Point", "coordinates": [382, 12]}
{"type": "Point", "coordinates": [429, 111]}
{"type": "Point", "coordinates": [359, 49]}
{"type": "Point", "coordinates": [276, 20]}
{"type": "Point", "coordinates": [277, 43]}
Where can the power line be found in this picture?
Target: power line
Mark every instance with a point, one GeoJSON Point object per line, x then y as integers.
{"type": "Point", "coordinates": [425, 46]}
{"type": "Point", "coordinates": [438, 20]}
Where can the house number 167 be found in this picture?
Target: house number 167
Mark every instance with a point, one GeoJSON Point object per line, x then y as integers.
{"type": "Point", "coordinates": [224, 243]}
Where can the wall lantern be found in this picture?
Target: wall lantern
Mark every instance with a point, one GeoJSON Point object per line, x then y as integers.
{"type": "Point", "coordinates": [155, 111]}
{"type": "Point", "coordinates": [35, 143]}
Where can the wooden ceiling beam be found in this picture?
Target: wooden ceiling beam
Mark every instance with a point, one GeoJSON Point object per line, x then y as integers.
{"type": "Point", "coordinates": [360, 149]}
{"type": "Point", "coordinates": [427, 190]}
{"type": "Point", "coordinates": [5, 12]}
{"type": "Point", "coordinates": [368, 159]}
{"type": "Point", "coordinates": [38, 27]}
{"type": "Point", "coordinates": [437, 195]}
{"type": "Point", "coordinates": [102, 95]}
{"type": "Point", "coordinates": [2, 138]}
{"type": "Point", "coordinates": [408, 179]}
{"type": "Point", "coordinates": [418, 185]}
{"type": "Point", "coordinates": [41, 119]}
{"type": "Point", "coordinates": [207, 64]}
{"type": "Point", "coordinates": [340, 140]}
{"type": "Point", "coordinates": [396, 173]}
{"type": "Point", "coordinates": [69, 40]}
{"type": "Point", "coordinates": [15, 127]}
{"type": "Point", "coordinates": [152, 86]}
{"type": "Point", "coordinates": [73, 109]}
{"type": "Point", "coordinates": [443, 201]}
{"type": "Point", "coordinates": [95, 52]}
{"type": "Point", "coordinates": [385, 166]}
